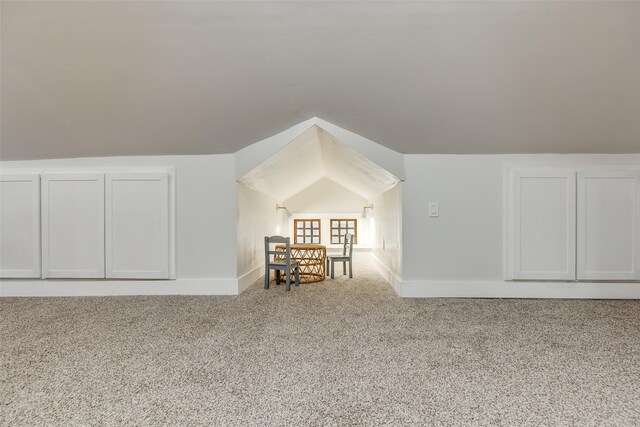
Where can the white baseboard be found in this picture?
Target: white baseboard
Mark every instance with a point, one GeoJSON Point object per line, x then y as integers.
{"type": "Point", "coordinates": [393, 279]}
{"type": "Point", "coordinates": [250, 278]}
{"type": "Point", "coordinates": [503, 289]}
{"type": "Point", "coordinates": [60, 288]}
{"type": "Point", "coordinates": [409, 289]}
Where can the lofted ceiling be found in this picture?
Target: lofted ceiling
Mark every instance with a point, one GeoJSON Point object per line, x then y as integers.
{"type": "Point", "coordinates": [111, 78]}
{"type": "Point", "coordinates": [311, 157]}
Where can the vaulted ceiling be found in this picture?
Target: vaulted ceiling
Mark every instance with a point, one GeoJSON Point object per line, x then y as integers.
{"type": "Point", "coordinates": [313, 156]}
{"type": "Point", "coordinates": [191, 77]}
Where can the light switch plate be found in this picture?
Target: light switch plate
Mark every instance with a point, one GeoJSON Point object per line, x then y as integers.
{"type": "Point", "coordinates": [434, 210]}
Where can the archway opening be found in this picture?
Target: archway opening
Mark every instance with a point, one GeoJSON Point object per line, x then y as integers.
{"type": "Point", "coordinates": [314, 189]}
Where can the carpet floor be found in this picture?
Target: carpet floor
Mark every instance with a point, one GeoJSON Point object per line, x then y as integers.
{"type": "Point", "coordinates": [342, 352]}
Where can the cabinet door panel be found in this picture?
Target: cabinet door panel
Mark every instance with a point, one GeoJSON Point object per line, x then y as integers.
{"type": "Point", "coordinates": [73, 225]}
{"type": "Point", "coordinates": [543, 231]}
{"type": "Point", "coordinates": [609, 225]}
{"type": "Point", "coordinates": [20, 226]}
{"type": "Point", "coordinates": [137, 226]}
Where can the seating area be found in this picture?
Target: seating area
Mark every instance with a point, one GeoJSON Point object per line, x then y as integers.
{"type": "Point", "coordinates": [280, 261]}
{"type": "Point", "coordinates": [345, 258]}
{"type": "Point", "coordinates": [303, 260]}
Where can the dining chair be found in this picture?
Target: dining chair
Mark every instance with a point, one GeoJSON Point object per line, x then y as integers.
{"type": "Point", "coordinates": [279, 260]}
{"type": "Point", "coordinates": [346, 257]}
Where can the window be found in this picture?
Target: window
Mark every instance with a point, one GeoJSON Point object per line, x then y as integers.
{"type": "Point", "coordinates": [306, 231]}
{"type": "Point", "coordinates": [339, 227]}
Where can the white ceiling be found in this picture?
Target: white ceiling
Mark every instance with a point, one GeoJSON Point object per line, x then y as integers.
{"type": "Point", "coordinates": [311, 157]}
{"type": "Point", "coordinates": [192, 77]}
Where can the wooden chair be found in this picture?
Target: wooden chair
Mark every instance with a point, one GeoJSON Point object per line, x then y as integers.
{"type": "Point", "coordinates": [281, 261]}
{"type": "Point", "coordinates": [346, 257]}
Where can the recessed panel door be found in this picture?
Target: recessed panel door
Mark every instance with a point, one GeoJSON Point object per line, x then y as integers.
{"type": "Point", "coordinates": [73, 225]}
{"type": "Point", "coordinates": [20, 226]}
{"type": "Point", "coordinates": [609, 225]}
{"type": "Point", "coordinates": [542, 243]}
{"type": "Point", "coordinates": [137, 226]}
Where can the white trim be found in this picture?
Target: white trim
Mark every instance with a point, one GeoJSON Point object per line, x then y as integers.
{"type": "Point", "coordinates": [59, 288]}
{"type": "Point", "coordinates": [502, 289]}
{"type": "Point", "coordinates": [393, 279]}
{"type": "Point", "coordinates": [173, 176]}
{"type": "Point", "coordinates": [251, 156]}
{"type": "Point", "coordinates": [70, 169]}
{"type": "Point", "coordinates": [505, 289]}
{"type": "Point", "coordinates": [407, 289]}
{"type": "Point", "coordinates": [250, 278]}
{"type": "Point", "coordinates": [507, 221]}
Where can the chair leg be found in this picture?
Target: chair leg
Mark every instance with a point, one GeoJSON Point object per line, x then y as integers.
{"type": "Point", "coordinates": [333, 268]}
{"type": "Point", "coordinates": [277, 277]}
{"type": "Point", "coordinates": [297, 276]}
{"type": "Point", "coordinates": [288, 272]}
{"type": "Point", "coordinates": [350, 270]}
{"type": "Point", "coordinates": [344, 268]}
{"type": "Point", "coordinates": [266, 278]}
{"type": "Point", "coordinates": [328, 271]}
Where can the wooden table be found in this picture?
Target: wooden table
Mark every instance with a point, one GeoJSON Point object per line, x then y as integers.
{"type": "Point", "coordinates": [312, 259]}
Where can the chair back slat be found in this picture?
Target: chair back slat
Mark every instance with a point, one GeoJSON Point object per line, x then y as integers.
{"type": "Point", "coordinates": [347, 248]}
{"type": "Point", "coordinates": [268, 240]}
{"type": "Point", "coordinates": [278, 239]}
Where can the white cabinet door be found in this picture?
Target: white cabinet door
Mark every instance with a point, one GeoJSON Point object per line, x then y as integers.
{"type": "Point", "coordinates": [609, 225]}
{"type": "Point", "coordinates": [137, 226]}
{"type": "Point", "coordinates": [73, 225]}
{"type": "Point", "coordinates": [543, 236]}
{"type": "Point", "coordinates": [20, 225]}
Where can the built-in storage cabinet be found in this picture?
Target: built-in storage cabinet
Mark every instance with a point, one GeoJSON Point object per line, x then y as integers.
{"type": "Point", "coordinates": [20, 226]}
{"type": "Point", "coordinates": [137, 226]}
{"type": "Point", "coordinates": [608, 225]}
{"type": "Point", "coordinates": [573, 225]}
{"type": "Point", "coordinates": [86, 226]}
{"type": "Point", "coordinates": [73, 225]}
{"type": "Point", "coordinates": [543, 229]}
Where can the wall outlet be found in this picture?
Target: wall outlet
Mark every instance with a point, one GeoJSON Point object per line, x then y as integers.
{"type": "Point", "coordinates": [434, 210]}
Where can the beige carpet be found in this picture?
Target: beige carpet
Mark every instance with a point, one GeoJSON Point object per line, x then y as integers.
{"type": "Point", "coordinates": [343, 352]}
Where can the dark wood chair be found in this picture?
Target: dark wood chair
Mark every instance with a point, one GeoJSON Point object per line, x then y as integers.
{"type": "Point", "coordinates": [346, 257]}
{"type": "Point", "coordinates": [279, 260]}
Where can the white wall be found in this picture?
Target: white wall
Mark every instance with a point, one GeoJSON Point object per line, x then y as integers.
{"type": "Point", "coordinates": [465, 242]}
{"type": "Point", "coordinates": [326, 200]}
{"type": "Point", "coordinates": [257, 218]}
{"type": "Point", "coordinates": [325, 196]}
{"type": "Point", "coordinates": [464, 245]}
{"type": "Point", "coordinates": [205, 220]}
{"type": "Point", "coordinates": [462, 250]}
{"type": "Point", "coordinates": [387, 234]}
